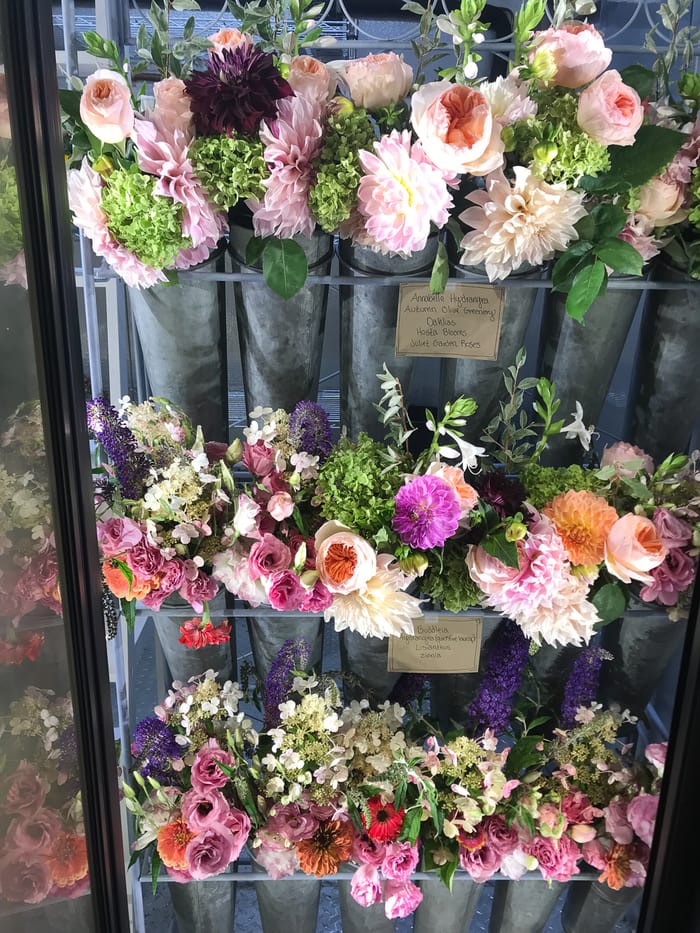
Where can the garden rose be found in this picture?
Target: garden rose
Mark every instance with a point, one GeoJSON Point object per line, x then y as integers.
{"type": "Point", "coordinates": [311, 79]}
{"type": "Point", "coordinates": [366, 886]}
{"type": "Point", "coordinates": [23, 792]}
{"type": "Point", "coordinates": [376, 81]}
{"type": "Point", "coordinates": [401, 898]}
{"type": "Point", "coordinates": [671, 578]}
{"type": "Point", "coordinates": [500, 837]}
{"type": "Point", "coordinates": [633, 548]}
{"type": "Point", "coordinates": [258, 458]}
{"type": "Point", "coordinates": [344, 560]}
{"type": "Point", "coordinates": [610, 111]}
{"type": "Point", "coordinates": [456, 128]}
{"type": "Point", "coordinates": [661, 202]}
{"type": "Point", "coordinates": [641, 813]}
{"type": "Point", "coordinates": [577, 50]}
{"type": "Point", "coordinates": [210, 852]}
{"type": "Point", "coordinates": [118, 535]}
{"type": "Point", "coordinates": [105, 106]}
{"type": "Point", "coordinates": [400, 859]}
{"type": "Point", "coordinates": [268, 556]}
{"type": "Point", "coordinates": [285, 591]}
{"type": "Point", "coordinates": [206, 774]}
{"type": "Point", "coordinates": [621, 453]}
{"type": "Point", "coordinates": [172, 107]}
{"type": "Point", "coordinates": [25, 877]}
{"type": "Point", "coordinates": [229, 39]}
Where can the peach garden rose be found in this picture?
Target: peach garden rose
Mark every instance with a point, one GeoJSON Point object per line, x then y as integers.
{"type": "Point", "coordinates": [610, 111]}
{"type": "Point", "coordinates": [312, 79]}
{"type": "Point", "coordinates": [344, 560]}
{"type": "Point", "coordinates": [377, 81]}
{"type": "Point", "coordinates": [105, 106]}
{"type": "Point", "coordinates": [633, 548]}
{"type": "Point", "coordinates": [577, 52]}
{"type": "Point", "coordinates": [172, 106]}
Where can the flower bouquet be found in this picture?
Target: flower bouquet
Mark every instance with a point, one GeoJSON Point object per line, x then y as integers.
{"type": "Point", "coordinates": [43, 851]}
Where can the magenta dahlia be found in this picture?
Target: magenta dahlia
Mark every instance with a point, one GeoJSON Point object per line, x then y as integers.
{"type": "Point", "coordinates": [239, 89]}
{"type": "Point", "coordinates": [426, 512]}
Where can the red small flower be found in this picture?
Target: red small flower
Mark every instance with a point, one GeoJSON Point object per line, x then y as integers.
{"type": "Point", "coordinates": [386, 820]}
{"type": "Point", "coordinates": [26, 647]}
{"type": "Point", "coordinates": [195, 633]}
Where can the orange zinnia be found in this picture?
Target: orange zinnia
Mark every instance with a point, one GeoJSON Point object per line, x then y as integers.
{"type": "Point", "coordinates": [68, 860]}
{"type": "Point", "coordinates": [173, 839]}
{"type": "Point", "coordinates": [617, 867]}
{"type": "Point", "coordinates": [583, 521]}
{"type": "Point", "coordinates": [330, 845]}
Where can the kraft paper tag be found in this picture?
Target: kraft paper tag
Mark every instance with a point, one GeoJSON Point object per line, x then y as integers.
{"type": "Point", "coordinates": [440, 645]}
{"type": "Point", "coordinates": [464, 322]}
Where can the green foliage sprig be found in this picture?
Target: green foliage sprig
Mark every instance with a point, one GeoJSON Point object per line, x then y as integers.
{"type": "Point", "coordinates": [283, 26]}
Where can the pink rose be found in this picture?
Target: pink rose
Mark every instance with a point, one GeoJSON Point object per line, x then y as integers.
{"type": "Point", "coordinates": [280, 506]}
{"type": "Point", "coordinates": [366, 886]}
{"type": "Point", "coordinates": [285, 591]}
{"type": "Point", "coordinates": [621, 453]}
{"type": "Point", "coordinates": [661, 202]}
{"type": "Point", "coordinates": [633, 548]}
{"type": "Point", "coordinates": [672, 531]}
{"type": "Point", "coordinates": [577, 50]}
{"type": "Point", "coordinates": [641, 813]}
{"type": "Point", "coordinates": [400, 859]}
{"type": "Point", "coordinates": [311, 79]}
{"type": "Point", "coordinates": [23, 792]}
{"type": "Point", "coordinates": [170, 579]}
{"type": "Point", "coordinates": [401, 898]}
{"type": "Point", "coordinates": [456, 128]}
{"type": "Point", "coordinates": [229, 39]}
{"type": "Point", "coordinates": [454, 477]}
{"type": "Point", "coordinates": [500, 837]}
{"type": "Point", "coordinates": [556, 858]}
{"type": "Point", "coordinates": [377, 81]}
{"type": "Point", "coordinates": [204, 808]}
{"type": "Point", "coordinates": [118, 535]}
{"type": "Point", "coordinates": [482, 863]}
{"type": "Point", "coordinates": [144, 559]}
{"type": "Point", "coordinates": [670, 579]}
{"type": "Point", "coordinates": [206, 773]}
{"type": "Point", "coordinates": [238, 823]}
{"type": "Point", "coordinates": [616, 822]}
{"type": "Point", "coordinates": [345, 561]}
{"type": "Point", "coordinates": [258, 458]}
{"type": "Point", "coordinates": [368, 851]}
{"type": "Point", "coordinates": [105, 106]}
{"type": "Point", "coordinates": [172, 110]}
{"type": "Point", "coordinates": [210, 852]}
{"type": "Point", "coordinates": [317, 599]}
{"type": "Point", "coordinates": [268, 556]}
{"type": "Point", "coordinates": [35, 833]}
{"type": "Point", "coordinates": [198, 590]}
{"type": "Point", "coordinates": [25, 877]}
{"type": "Point", "coordinates": [609, 111]}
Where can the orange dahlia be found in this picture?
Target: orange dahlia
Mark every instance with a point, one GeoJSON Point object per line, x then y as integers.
{"type": "Point", "coordinates": [330, 845]}
{"type": "Point", "coordinates": [68, 860]}
{"type": "Point", "coordinates": [583, 521]}
{"type": "Point", "coordinates": [173, 839]}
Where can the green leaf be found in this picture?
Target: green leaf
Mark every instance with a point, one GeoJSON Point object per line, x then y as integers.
{"type": "Point", "coordinates": [156, 862]}
{"type": "Point", "coordinates": [441, 271]}
{"type": "Point", "coordinates": [653, 149]}
{"type": "Point", "coordinates": [585, 289]}
{"type": "Point", "coordinates": [609, 220]}
{"type": "Point", "coordinates": [634, 487]}
{"type": "Point", "coordinates": [497, 546]}
{"type": "Point", "coordinates": [640, 78]}
{"type": "Point", "coordinates": [610, 602]}
{"type": "Point", "coordinates": [447, 873]}
{"type": "Point", "coordinates": [70, 104]}
{"type": "Point", "coordinates": [523, 755]}
{"type": "Point", "coordinates": [254, 250]}
{"type": "Point", "coordinates": [354, 815]}
{"type": "Point", "coordinates": [285, 267]}
{"type": "Point", "coordinates": [621, 256]}
{"type": "Point", "coordinates": [128, 607]}
{"type": "Point", "coordinates": [184, 5]}
{"type": "Point", "coordinates": [188, 29]}
{"type": "Point", "coordinates": [411, 825]}
{"type": "Point", "coordinates": [157, 50]}
{"type": "Point", "coordinates": [400, 794]}
{"type": "Point", "coordinates": [570, 264]}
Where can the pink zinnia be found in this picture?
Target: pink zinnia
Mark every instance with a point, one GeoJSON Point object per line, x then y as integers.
{"type": "Point", "coordinates": [427, 512]}
{"type": "Point", "coordinates": [401, 194]}
{"type": "Point", "coordinates": [292, 143]}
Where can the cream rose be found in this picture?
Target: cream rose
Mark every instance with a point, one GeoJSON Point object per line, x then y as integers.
{"type": "Point", "coordinates": [105, 107]}
{"type": "Point", "coordinates": [229, 39]}
{"type": "Point", "coordinates": [610, 111]}
{"type": "Point", "coordinates": [311, 79]}
{"type": "Point", "coordinates": [577, 51]}
{"type": "Point", "coordinates": [454, 477]}
{"type": "Point", "coordinates": [172, 106]}
{"type": "Point", "coordinates": [633, 548]}
{"type": "Point", "coordinates": [376, 80]}
{"type": "Point", "coordinates": [661, 202]}
{"type": "Point", "coordinates": [456, 128]}
{"type": "Point", "coordinates": [344, 560]}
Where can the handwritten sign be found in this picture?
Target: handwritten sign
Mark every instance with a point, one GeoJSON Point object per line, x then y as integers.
{"type": "Point", "coordinates": [442, 645]}
{"type": "Point", "coordinates": [463, 322]}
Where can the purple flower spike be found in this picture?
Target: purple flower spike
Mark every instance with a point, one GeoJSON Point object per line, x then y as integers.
{"type": "Point", "coordinates": [310, 430]}
{"type": "Point", "coordinates": [427, 512]}
{"type": "Point", "coordinates": [582, 685]}
{"type": "Point", "coordinates": [130, 466]}
{"type": "Point", "coordinates": [491, 707]}
{"type": "Point", "coordinates": [294, 655]}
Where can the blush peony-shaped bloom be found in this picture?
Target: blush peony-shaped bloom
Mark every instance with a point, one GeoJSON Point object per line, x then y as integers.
{"type": "Point", "coordinates": [400, 194]}
{"type": "Point", "coordinates": [527, 223]}
{"type": "Point", "coordinates": [610, 111]}
{"type": "Point", "coordinates": [366, 886]}
{"type": "Point", "coordinates": [661, 202]}
{"type": "Point", "coordinates": [171, 112]}
{"type": "Point", "coordinates": [427, 512]}
{"type": "Point", "coordinates": [577, 52]}
{"type": "Point", "coordinates": [311, 79]}
{"type": "Point", "coordinates": [622, 457]}
{"type": "Point", "coordinates": [583, 521]}
{"type": "Point", "coordinates": [633, 548]}
{"type": "Point", "coordinates": [292, 142]}
{"type": "Point", "coordinates": [401, 898]}
{"type": "Point", "coordinates": [238, 90]}
{"type": "Point", "coordinates": [105, 106]}
{"type": "Point", "coordinates": [344, 560]}
{"type": "Point", "coordinates": [376, 81]}
{"type": "Point", "coordinates": [456, 128]}
{"type": "Point", "coordinates": [230, 39]}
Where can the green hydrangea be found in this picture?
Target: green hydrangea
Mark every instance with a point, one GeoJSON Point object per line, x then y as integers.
{"type": "Point", "coordinates": [10, 222]}
{"type": "Point", "coordinates": [694, 213]}
{"type": "Point", "coordinates": [146, 223]}
{"type": "Point", "coordinates": [355, 490]}
{"type": "Point", "coordinates": [554, 145]}
{"type": "Point", "coordinates": [230, 168]}
{"type": "Point", "coordinates": [338, 170]}
{"type": "Point", "coordinates": [450, 584]}
{"type": "Point", "coordinates": [542, 484]}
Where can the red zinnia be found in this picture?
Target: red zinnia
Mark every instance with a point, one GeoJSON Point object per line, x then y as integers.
{"type": "Point", "coordinates": [386, 820]}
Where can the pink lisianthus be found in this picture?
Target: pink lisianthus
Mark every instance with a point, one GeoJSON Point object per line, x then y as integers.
{"type": "Point", "coordinates": [500, 837]}
{"type": "Point", "coordinates": [577, 51]}
{"type": "Point", "coordinates": [25, 877]}
{"type": "Point", "coordinates": [230, 567]}
{"type": "Point", "coordinates": [401, 898]}
{"type": "Point", "coordinates": [481, 863]}
{"type": "Point", "coordinates": [556, 858]}
{"type": "Point", "coordinates": [291, 823]}
{"type": "Point", "coordinates": [118, 535]}
{"type": "Point", "coordinates": [639, 234]}
{"type": "Point", "coordinates": [366, 886]}
{"type": "Point", "coordinates": [144, 559]}
{"type": "Point", "coordinates": [400, 196]}
{"type": "Point", "coordinates": [655, 754]}
{"type": "Point", "coordinates": [280, 506]}
{"type": "Point", "coordinates": [238, 823]}
{"type": "Point", "coordinates": [578, 809]}
{"type": "Point", "coordinates": [368, 851]}
{"type": "Point", "coordinates": [317, 599]}
{"type": "Point", "coordinates": [456, 128]}
{"type": "Point", "coordinates": [610, 111]}
{"type": "Point", "coordinates": [210, 852]}
{"type": "Point", "coordinates": [268, 556]}
{"type": "Point", "coordinates": [23, 792]}
{"type": "Point", "coordinates": [400, 860]}
{"type": "Point", "coordinates": [206, 774]}
{"type": "Point", "coordinates": [641, 813]}
{"type": "Point", "coordinates": [35, 833]}
{"type": "Point", "coordinates": [671, 578]}
{"type": "Point", "coordinates": [617, 823]}
{"type": "Point", "coordinates": [201, 809]}
{"type": "Point", "coordinates": [285, 591]}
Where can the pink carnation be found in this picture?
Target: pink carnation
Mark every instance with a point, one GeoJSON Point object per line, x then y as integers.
{"type": "Point", "coordinates": [400, 859]}
{"type": "Point", "coordinates": [401, 898]}
{"type": "Point", "coordinates": [198, 589]}
{"type": "Point", "coordinates": [366, 886]}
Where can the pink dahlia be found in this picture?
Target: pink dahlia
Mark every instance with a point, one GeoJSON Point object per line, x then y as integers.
{"type": "Point", "coordinates": [401, 194]}
{"type": "Point", "coordinates": [292, 143]}
{"type": "Point", "coordinates": [427, 512]}
{"type": "Point", "coordinates": [528, 222]}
